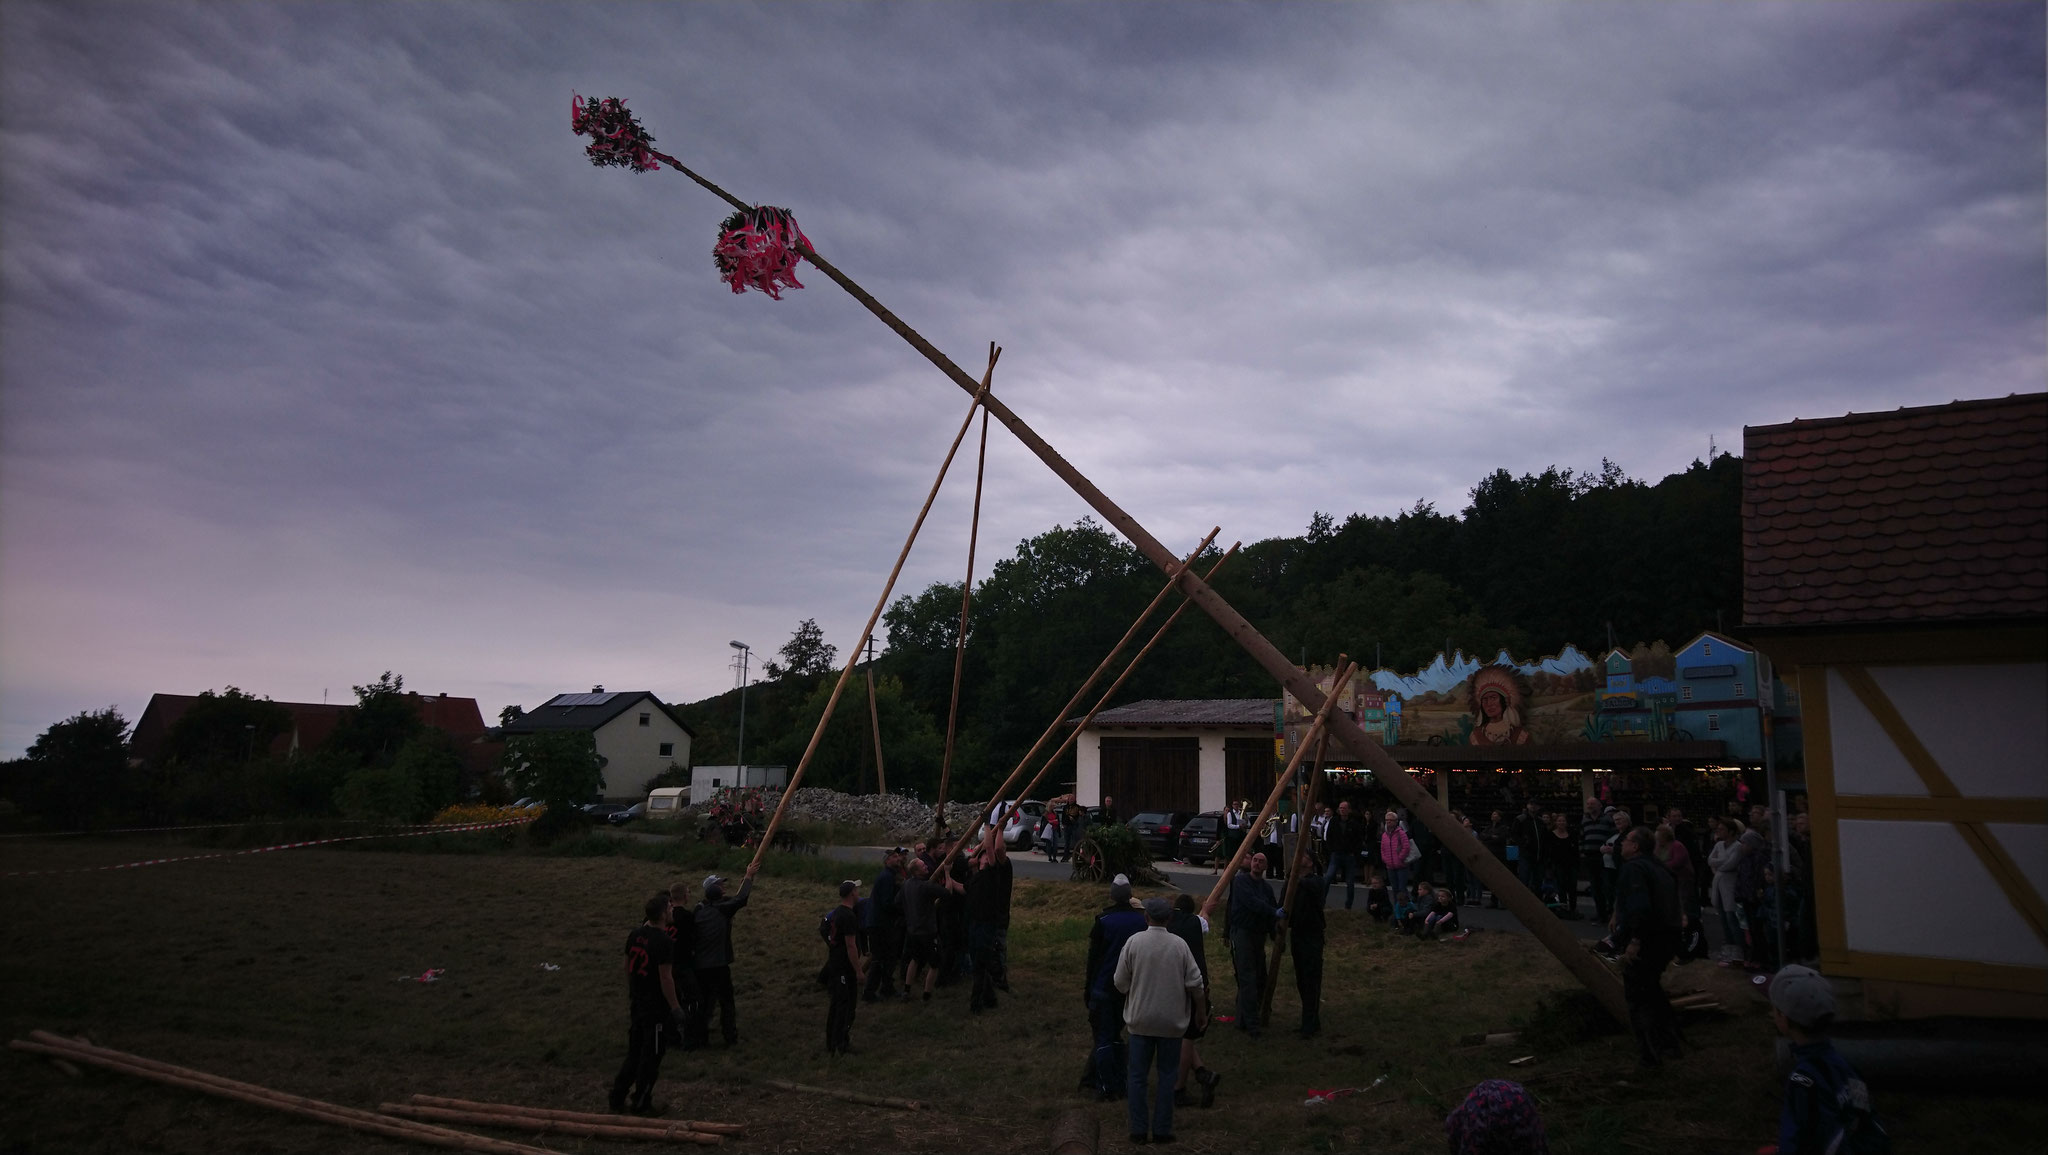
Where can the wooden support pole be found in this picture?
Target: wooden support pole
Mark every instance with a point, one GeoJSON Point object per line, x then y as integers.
{"type": "Point", "coordinates": [1324, 713]}
{"type": "Point", "coordinates": [612, 1128]}
{"type": "Point", "coordinates": [577, 1116]}
{"type": "Point", "coordinates": [1087, 684]}
{"type": "Point", "coordinates": [1074, 733]}
{"type": "Point", "coordinates": [1294, 869]}
{"type": "Point", "coordinates": [960, 637]}
{"type": "Point", "coordinates": [1495, 875]}
{"type": "Point", "coordinates": [849, 1096]}
{"type": "Point", "coordinates": [256, 1096]}
{"type": "Point", "coordinates": [838, 688]}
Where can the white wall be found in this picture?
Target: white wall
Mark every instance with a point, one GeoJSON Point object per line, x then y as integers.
{"type": "Point", "coordinates": [1984, 724]}
{"type": "Point", "coordinates": [1916, 888]}
{"type": "Point", "coordinates": [632, 752]}
{"type": "Point", "coordinates": [701, 778]}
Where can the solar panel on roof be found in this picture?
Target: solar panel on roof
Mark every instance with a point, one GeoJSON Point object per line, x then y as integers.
{"type": "Point", "coordinates": [582, 699]}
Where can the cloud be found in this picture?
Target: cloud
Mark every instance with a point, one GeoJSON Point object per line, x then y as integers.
{"type": "Point", "coordinates": [322, 350]}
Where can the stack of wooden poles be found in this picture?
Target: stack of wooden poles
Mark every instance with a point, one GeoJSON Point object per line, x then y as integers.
{"type": "Point", "coordinates": [406, 1121]}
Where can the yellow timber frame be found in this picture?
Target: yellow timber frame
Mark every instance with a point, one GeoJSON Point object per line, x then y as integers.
{"type": "Point", "coordinates": [1849, 656]}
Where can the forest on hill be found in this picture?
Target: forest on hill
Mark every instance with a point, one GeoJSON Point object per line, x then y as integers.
{"type": "Point", "coordinates": [1532, 563]}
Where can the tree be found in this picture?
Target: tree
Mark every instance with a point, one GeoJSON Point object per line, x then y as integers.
{"type": "Point", "coordinates": [430, 759]}
{"type": "Point", "coordinates": [75, 768]}
{"type": "Point", "coordinates": [559, 767]}
{"type": "Point", "coordinates": [911, 740]}
{"type": "Point", "coordinates": [385, 718]}
{"type": "Point", "coordinates": [805, 654]}
{"type": "Point", "coordinates": [223, 729]}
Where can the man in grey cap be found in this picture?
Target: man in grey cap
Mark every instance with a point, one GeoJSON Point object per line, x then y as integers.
{"type": "Point", "coordinates": [1827, 1108]}
{"type": "Point", "coordinates": [1157, 975]}
{"type": "Point", "coordinates": [714, 956]}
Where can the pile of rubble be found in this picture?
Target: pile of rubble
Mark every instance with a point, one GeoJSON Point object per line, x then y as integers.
{"type": "Point", "coordinates": [905, 820]}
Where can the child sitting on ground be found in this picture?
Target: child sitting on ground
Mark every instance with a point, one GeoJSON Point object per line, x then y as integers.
{"type": "Point", "coordinates": [1827, 1108]}
{"type": "Point", "coordinates": [1378, 903]}
{"type": "Point", "coordinates": [1425, 897]}
{"type": "Point", "coordinates": [1441, 917]}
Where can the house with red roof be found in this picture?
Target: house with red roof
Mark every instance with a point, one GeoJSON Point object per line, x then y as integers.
{"type": "Point", "coordinates": [1895, 565]}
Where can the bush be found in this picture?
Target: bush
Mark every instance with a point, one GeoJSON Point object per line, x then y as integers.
{"type": "Point", "coordinates": [558, 824]}
{"type": "Point", "coordinates": [385, 793]}
{"type": "Point", "coordinates": [1123, 852]}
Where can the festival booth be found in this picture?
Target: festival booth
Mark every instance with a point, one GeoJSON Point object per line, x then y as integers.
{"type": "Point", "coordinates": [1897, 565]}
{"type": "Point", "coordinates": [1694, 728]}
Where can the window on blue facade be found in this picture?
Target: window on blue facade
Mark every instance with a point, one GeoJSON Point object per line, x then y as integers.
{"type": "Point", "coordinates": [1738, 689]}
{"type": "Point", "coordinates": [1685, 692]}
{"type": "Point", "coordinates": [1713, 721]}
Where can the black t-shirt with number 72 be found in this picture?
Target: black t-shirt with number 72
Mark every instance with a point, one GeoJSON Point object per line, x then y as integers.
{"type": "Point", "coordinates": [648, 949]}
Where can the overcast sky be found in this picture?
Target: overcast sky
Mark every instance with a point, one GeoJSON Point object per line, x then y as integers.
{"type": "Point", "coordinates": [324, 351]}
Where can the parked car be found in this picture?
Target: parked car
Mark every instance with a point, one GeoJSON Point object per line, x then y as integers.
{"type": "Point", "coordinates": [1159, 830]}
{"type": "Point", "coordinates": [621, 817]}
{"type": "Point", "coordinates": [1201, 837]}
{"type": "Point", "coordinates": [1020, 828]}
{"type": "Point", "coordinates": [603, 810]}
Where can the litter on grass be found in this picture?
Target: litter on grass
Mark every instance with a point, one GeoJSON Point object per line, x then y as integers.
{"type": "Point", "coordinates": [549, 967]}
{"type": "Point", "coordinates": [1319, 1097]}
{"type": "Point", "coordinates": [431, 975]}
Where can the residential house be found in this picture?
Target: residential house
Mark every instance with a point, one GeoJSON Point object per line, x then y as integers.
{"type": "Point", "coordinates": [636, 736]}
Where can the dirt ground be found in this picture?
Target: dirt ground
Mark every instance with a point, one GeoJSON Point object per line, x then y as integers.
{"type": "Point", "coordinates": [291, 969]}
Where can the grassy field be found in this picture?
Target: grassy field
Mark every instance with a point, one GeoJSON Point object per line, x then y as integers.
{"type": "Point", "coordinates": [286, 968]}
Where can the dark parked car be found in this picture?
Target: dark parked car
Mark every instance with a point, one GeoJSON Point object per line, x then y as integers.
{"type": "Point", "coordinates": [1200, 837]}
{"type": "Point", "coordinates": [602, 811]}
{"type": "Point", "coordinates": [621, 817]}
{"type": "Point", "coordinates": [1159, 830]}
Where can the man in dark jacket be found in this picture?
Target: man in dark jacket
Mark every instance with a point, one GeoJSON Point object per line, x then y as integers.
{"type": "Point", "coordinates": [1191, 928]}
{"type": "Point", "coordinates": [1647, 921]}
{"type": "Point", "coordinates": [1116, 924]}
{"type": "Point", "coordinates": [1593, 835]}
{"type": "Point", "coordinates": [1346, 841]}
{"type": "Point", "coordinates": [988, 920]}
{"type": "Point", "coordinates": [1252, 914]}
{"type": "Point", "coordinates": [714, 957]}
{"type": "Point", "coordinates": [885, 926]}
{"type": "Point", "coordinates": [656, 1010]}
{"type": "Point", "coordinates": [1305, 939]}
{"type": "Point", "coordinates": [1528, 843]}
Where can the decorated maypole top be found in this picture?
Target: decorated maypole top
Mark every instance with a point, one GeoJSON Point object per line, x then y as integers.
{"type": "Point", "coordinates": [758, 245]}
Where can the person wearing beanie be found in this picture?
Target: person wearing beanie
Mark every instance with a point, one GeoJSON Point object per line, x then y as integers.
{"type": "Point", "coordinates": [1119, 920]}
{"type": "Point", "coordinates": [1827, 1108]}
{"type": "Point", "coordinates": [1497, 1118]}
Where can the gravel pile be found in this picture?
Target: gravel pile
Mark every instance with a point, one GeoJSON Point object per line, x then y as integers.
{"type": "Point", "coordinates": [904, 819]}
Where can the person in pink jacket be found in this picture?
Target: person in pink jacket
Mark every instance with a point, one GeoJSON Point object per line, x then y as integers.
{"type": "Point", "coordinates": [1394, 846]}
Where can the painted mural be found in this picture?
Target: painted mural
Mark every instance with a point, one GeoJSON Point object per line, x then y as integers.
{"type": "Point", "coordinates": [1712, 689]}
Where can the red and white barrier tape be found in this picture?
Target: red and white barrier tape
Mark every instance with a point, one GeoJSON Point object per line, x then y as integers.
{"type": "Point", "coordinates": [268, 849]}
{"type": "Point", "coordinates": [210, 826]}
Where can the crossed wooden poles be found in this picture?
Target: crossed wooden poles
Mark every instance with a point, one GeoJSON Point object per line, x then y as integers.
{"type": "Point", "coordinates": [1554, 935]}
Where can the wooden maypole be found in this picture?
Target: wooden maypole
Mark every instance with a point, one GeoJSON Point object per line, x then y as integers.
{"type": "Point", "coordinates": [1526, 907]}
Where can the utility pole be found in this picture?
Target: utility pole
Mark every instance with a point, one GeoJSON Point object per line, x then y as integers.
{"type": "Point", "coordinates": [740, 662]}
{"type": "Point", "coordinates": [875, 722]}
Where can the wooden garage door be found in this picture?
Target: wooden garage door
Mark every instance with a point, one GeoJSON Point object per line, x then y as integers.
{"type": "Point", "coordinates": [1248, 771]}
{"type": "Point", "coordinates": [1152, 773]}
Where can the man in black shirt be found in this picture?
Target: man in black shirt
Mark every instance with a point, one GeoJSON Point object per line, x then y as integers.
{"type": "Point", "coordinates": [657, 1015]}
{"type": "Point", "coordinates": [988, 919]}
{"type": "Point", "coordinates": [1346, 838]}
{"type": "Point", "coordinates": [714, 957]}
{"type": "Point", "coordinates": [842, 972]}
{"type": "Point", "coordinates": [682, 931]}
{"type": "Point", "coordinates": [885, 926]}
{"type": "Point", "coordinates": [1305, 922]}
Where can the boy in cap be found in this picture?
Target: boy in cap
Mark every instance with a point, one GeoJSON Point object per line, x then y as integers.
{"type": "Point", "coordinates": [1827, 1108]}
{"type": "Point", "coordinates": [1119, 920]}
{"type": "Point", "coordinates": [842, 969]}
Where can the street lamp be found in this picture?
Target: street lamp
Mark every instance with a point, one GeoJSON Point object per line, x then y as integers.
{"type": "Point", "coordinates": [745, 653]}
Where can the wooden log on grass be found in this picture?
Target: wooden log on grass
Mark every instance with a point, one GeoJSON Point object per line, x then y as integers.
{"type": "Point", "coordinates": [575, 1116]}
{"type": "Point", "coordinates": [332, 1113]}
{"type": "Point", "coordinates": [849, 1096]}
{"type": "Point", "coordinates": [613, 1128]}
{"type": "Point", "coordinates": [1076, 1132]}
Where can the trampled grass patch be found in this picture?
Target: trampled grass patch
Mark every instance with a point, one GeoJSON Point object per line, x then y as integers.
{"type": "Point", "coordinates": [294, 969]}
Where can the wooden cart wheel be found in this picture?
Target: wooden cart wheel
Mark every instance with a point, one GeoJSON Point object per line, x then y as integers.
{"type": "Point", "coordinates": [1087, 858]}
